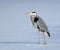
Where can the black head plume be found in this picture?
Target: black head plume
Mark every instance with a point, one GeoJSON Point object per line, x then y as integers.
{"type": "Point", "coordinates": [33, 12]}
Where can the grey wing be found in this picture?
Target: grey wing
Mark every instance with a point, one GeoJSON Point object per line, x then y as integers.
{"type": "Point", "coordinates": [42, 25]}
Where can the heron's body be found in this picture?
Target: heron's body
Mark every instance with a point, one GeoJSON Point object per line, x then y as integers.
{"type": "Point", "coordinates": [39, 24]}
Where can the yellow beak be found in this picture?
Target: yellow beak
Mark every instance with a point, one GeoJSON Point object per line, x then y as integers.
{"type": "Point", "coordinates": [28, 13]}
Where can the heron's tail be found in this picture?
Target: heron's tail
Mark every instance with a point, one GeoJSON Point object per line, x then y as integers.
{"type": "Point", "coordinates": [48, 34]}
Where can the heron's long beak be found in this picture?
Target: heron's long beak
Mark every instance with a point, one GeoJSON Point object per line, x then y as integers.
{"type": "Point", "coordinates": [28, 13]}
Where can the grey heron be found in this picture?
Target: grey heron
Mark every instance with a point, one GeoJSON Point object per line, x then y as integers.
{"type": "Point", "coordinates": [39, 24]}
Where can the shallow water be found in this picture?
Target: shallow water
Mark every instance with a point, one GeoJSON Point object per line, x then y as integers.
{"type": "Point", "coordinates": [53, 43]}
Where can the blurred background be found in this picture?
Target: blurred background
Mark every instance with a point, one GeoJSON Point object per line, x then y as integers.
{"type": "Point", "coordinates": [15, 26]}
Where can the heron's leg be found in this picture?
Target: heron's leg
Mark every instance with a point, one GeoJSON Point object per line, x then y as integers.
{"type": "Point", "coordinates": [38, 37]}
{"type": "Point", "coordinates": [44, 37]}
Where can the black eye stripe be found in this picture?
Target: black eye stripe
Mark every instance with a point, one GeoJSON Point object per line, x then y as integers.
{"type": "Point", "coordinates": [33, 12]}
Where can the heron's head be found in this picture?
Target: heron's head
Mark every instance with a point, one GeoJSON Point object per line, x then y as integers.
{"type": "Point", "coordinates": [31, 13]}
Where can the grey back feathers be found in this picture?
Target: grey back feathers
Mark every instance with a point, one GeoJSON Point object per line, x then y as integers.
{"type": "Point", "coordinates": [41, 25]}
